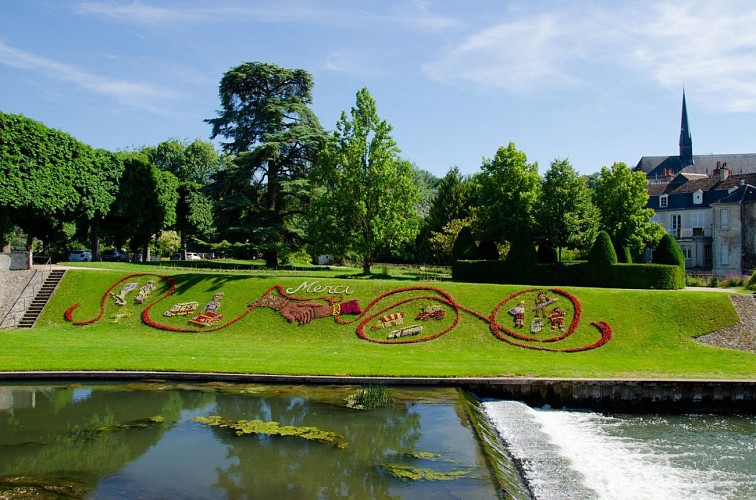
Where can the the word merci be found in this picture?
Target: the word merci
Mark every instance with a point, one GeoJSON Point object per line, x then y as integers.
{"type": "Point", "coordinates": [313, 287]}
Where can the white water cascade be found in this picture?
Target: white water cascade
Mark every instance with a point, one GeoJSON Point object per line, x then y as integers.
{"type": "Point", "coordinates": [586, 455]}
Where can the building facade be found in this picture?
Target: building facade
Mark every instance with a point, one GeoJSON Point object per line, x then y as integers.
{"type": "Point", "coordinates": [706, 203]}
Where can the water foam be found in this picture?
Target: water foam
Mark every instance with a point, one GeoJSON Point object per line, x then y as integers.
{"type": "Point", "coordinates": [573, 454]}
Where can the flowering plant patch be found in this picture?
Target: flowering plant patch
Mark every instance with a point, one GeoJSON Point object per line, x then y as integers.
{"type": "Point", "coordinates": [533, 318]}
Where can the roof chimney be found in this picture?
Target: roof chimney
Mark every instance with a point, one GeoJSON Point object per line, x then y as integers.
{"type": "Point", "coordinates": [724, 172]}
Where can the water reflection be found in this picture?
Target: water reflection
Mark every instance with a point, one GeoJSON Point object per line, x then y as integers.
{"type": "Point", "coordinates": [140, 440]}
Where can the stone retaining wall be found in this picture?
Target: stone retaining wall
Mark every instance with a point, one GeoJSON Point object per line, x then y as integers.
{"type": "Point", "coordinates": [17, 290]}
{"type": "Point", "coordinates": [621, 395]}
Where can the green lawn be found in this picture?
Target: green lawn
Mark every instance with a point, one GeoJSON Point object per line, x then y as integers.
{"type": "Point", "coordinates": [653, 332]}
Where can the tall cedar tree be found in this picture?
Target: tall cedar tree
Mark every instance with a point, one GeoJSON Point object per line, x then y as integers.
{"type": "Point", "coordinates": [366, 204]}
{"type": "Point", "coordinates": [508, 191]}
{"type": "Point", "coordinates": [275, 137]}
{"type": "Point", "coordinates": [565, 214]}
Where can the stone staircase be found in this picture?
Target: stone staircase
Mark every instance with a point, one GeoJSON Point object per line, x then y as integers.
{"type": "Point", "coordinates": [40, 299]}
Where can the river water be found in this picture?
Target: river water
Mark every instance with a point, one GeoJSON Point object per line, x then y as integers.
{"type": "Point", "coordinates": [581, 454]}
{"type": "Point", "coordinates": [143, 440]}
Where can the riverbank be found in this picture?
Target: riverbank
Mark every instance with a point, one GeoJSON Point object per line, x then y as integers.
{"type": "Point", "coordinates": [635, 396]}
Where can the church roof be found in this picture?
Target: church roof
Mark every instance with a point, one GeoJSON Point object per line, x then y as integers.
{"type": "Point", "coordinates": [657, 166]}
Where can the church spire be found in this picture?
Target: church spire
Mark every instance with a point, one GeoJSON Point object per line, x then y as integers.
{"type": "Point", "coordinates": [686, 141]}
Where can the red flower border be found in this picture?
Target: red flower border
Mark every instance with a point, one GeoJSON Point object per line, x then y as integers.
{"type": "Point", "coordinates": [503, 333]}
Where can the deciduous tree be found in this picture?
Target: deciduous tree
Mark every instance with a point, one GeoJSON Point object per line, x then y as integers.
{"type": "Point", "coordinates": [621, 198]}
{"type": "Point", "coordinates": [366, 203]}
{"type": "Point", "coordinates": [507, 195]}
{"type": "Point", "coordinates": [565, 214]}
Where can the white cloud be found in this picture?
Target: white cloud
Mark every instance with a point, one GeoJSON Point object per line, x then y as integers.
{"type": "Point", "coordinates": [135, 94]}
{"type": "Point", "coordinates": [709, 46]}
{"type": "Point", "coordinates": [415, 15]}
{"type": "Point", "coordinates": [350, 62]}
{"type": "Point", "coordinates": [514, 56]}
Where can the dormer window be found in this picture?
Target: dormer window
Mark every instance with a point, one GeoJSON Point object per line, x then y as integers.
{"type": "Point", "coordinates": [698, 197]}
{"type": "Point", "coordinates": [664, 201]}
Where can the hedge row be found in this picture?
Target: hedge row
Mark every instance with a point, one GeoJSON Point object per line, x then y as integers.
{"type": "Point", "coordinates": [643, 276]}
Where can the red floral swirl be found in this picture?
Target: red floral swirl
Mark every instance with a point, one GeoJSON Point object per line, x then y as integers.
{"type": "Point", "coordinates": [366, 317]}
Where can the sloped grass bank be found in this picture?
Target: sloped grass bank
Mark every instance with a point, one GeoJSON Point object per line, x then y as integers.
{"type": "Point", "coordinates": [653, 333]}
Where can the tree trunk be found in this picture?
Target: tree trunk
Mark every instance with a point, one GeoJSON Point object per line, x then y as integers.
{"type": "Point", "coordinates": [146, 251]}
{"type": "Point", "coordinates": [271, 258]}
{"type": "Point", "coordinates": [182, 232]}
{"type": "Point", "coordinates": [95, 240]}
{"type": "Point", "coordinates": [365, 266]}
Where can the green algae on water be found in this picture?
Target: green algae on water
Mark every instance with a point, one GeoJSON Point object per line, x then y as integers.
{"type": "Point", "coordinates": [245, 427]}
{"type": "Point", "coordinates": [417, 473]}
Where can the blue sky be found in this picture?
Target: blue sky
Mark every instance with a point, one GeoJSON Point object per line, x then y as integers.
{"type": "Point", "coordinates": [592, 81]}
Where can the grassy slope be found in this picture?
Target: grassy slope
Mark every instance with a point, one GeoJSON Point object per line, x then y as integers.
{"type": "Point", "coordinates": [653, 333]}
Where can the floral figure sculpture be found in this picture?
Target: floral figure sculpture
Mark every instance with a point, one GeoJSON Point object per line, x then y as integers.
{"type": "Point", "coordinates": [120, 298]}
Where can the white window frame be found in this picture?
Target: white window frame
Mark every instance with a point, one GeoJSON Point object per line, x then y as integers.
{"type": "Point", "coordinates": [697, 220]}
{"type": "Point", "coordinates": [724, 218]}
{"type": "Point", "coordinates": [663, 201]}
{"type": "Point", "coordinates": [687, 251]}
{"type": "Point", "coordinates": [698, 197]}
{"type": "Point", "coordinates": [676, 222]}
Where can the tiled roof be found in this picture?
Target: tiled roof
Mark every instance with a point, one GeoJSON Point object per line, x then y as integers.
{"type": "Point", "coordinates": [655, 166]}
{"type": "Point", "coordinates": [744, 194]}
{"type": "Point", "coordinates": [680, 190]}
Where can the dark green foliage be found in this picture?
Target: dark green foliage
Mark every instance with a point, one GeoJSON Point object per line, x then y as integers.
{"type": "Point", "coordinates": [452, 201]}
{"type": "Point", "coordinates": [464, 246]}
{"type": "Point", "coordinates": [668, 252]}
{"type": "Point", "coordinates": [49, 179]}
{"type": "Point", "coordinates": [522, 252]}
{"type": "Point", "coordinates": [547, 254]}
{"type": "Point", "coordinates": [602, 253]}
{"type": "Point", "coordinates": [276, 137]}
{"type": "Point", "coordinates": [636, 276]}
{"type": "Point", "coordinates": [624, 256]}
{"type": "Point", "coordinates": [488, 250]}
{"type": "Point", "coordinates": [751, 284]}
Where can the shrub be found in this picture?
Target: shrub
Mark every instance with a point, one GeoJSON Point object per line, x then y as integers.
{"type": "Point", "coordinates": [547, 254]}
{"type": "Point", "coordinates": [602, 253]}
{"type": "Point", "coordinates": [464, 246]}
{"type": "Point", "coordinates": [624, 256]}
{"type": "Point", "coordinates": [668, 252]}
{"type": "Point", "coordinates": [488, 250]}
{"type": "Point", "coordinates": [522, 252]}
{"type": "Point", "coordinates": [751, 284]}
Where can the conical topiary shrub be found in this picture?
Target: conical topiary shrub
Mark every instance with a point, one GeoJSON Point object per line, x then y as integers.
{"type": "Point", "coordinates": [668, 252]}
{"type": "Point", "coordinates": [602, 253]}
{"type": "Point", "coordinates": [465, 247]}
{"type": "Point", "coordinates": [488, 250]}
{"type": "Point", "coordinates": [522, 252]}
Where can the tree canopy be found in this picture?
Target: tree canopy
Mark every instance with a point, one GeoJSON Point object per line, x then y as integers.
{"type": "Point", "coordinates": [48, 178]}
{"type": "Point", "coordinates": [507, 194]}
{"type": "Point", "coordinates": [621, 198]}
{"type": "Point", "coordinates": [275, 138]}
{"type": "Point", "coordinates": [565, 214]}
{"type": "Point", "coordinates": [366, 200]}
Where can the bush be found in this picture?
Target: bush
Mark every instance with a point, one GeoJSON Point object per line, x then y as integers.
{"type": "Point", "coordinates": [637, 276]}
{"type": "Point", "coordinates": [668, 252]}
{"type": "Point", "coordinates": [623, 255]}
{"type": "Point", "coordinates": [602, 253]}
{"type": "Point", "coordinates": [547, 254]}
{"type": "Point", "coordinates": [522, 252]}
{"type": "Point", "coordinates": [464, 246]}
{"type": "Point", "coordinates": [751, 284]}
{"type": "Point", "coordinates": [488, 250]}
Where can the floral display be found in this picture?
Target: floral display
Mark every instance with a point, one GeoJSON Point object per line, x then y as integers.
{"type": "Point", "coordinates": [548, 322]}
